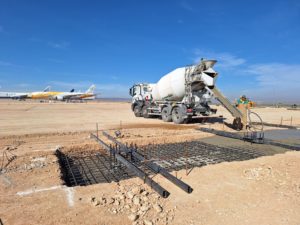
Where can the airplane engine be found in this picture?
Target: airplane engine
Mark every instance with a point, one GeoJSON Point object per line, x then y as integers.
{"type": "Point", "coordinates": [59, 97]}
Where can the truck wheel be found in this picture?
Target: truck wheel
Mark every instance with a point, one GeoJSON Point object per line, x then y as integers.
{"type": "Point", "coordinates": [165, 115]}
{"type": "Point", "coordinates": [237, 124]}
{"type": "Point", "coordinates": [137, 111]}
{"type": "Point", "coordinates": [177, 116]}
{"type": "Point", "coordinates": [145, 112]}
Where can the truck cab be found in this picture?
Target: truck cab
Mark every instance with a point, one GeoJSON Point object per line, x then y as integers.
{"type": "Point", "coordinates": [140, 94]}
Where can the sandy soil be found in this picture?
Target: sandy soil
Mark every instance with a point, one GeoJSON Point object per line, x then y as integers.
{"type": "Point", "coordinates": [265, 190]}
{"type": "Point", "coordinates": [36, 118]}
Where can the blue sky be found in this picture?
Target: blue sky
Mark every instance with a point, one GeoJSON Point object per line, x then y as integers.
{"type": "Point", "coordinates": [72, 44]}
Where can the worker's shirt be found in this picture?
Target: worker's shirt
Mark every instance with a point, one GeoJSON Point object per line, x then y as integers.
{"type": "Point", "coordinates": [240, 101]}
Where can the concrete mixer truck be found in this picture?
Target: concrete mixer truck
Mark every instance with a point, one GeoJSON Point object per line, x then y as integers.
{"type": "Point", "coordinates": [181, 94]}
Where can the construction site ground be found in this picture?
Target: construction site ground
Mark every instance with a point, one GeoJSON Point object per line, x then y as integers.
{"type": "Point", "coordinates": [263, 190]}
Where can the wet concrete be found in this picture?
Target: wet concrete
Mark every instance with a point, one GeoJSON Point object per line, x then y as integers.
{"type": "Point", "coordinates": [284, 135]}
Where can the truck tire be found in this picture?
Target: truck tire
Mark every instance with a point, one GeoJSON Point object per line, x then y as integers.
{"type": "Point", "coordinates": [165, 115]}
{"type": "Point", "coordinates": [145, 112]}
{"type": "Point", "coordinates": [137, 111]}
{"type": "Point", "coordinates": [237, 124]}
{"type": "Point", "coordinates": [177, 115]}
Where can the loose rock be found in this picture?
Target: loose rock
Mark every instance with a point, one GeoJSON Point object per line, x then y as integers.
{"type": "Point", "coordinates": [103, 201]}
{"type": "Point", "coordinates": [134, 209]}
{"type": "Point", "coordinates": [157, 208]}
{"type": "Point", "coordinates": [110, 201]}
{"type": "Point", "coordinates": [116, 203]}
{"type": "Point", "coordinates": [148, 222]}
{"type": "Point", "coordinates": [130, 195]}
{"type": "Point", "coordinates": [145, 193]}
{"type": "Point", "coordinates": [133, 217]}
{"type": "Point", "coordinates": [144, 208]}
{"type": "Point", "coordinates": [94, 201]}
{"type": "Point", "coordinates": [136, 200]}
{"type": "Point", "coordinates": [136, 190]}
{"type": "Point", "coordinates": [145, 199]}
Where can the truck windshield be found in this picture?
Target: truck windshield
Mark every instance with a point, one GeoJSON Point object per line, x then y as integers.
{"type": "Point", "coordinates": [137, 90]}
{"type": "Point", "coordinates": [130, 92]}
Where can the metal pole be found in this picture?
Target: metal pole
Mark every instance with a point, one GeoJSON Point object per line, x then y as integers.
{"type": "Point", "coordinates": [223, 125]}
{"type": "Point", "coordinates": [160, 190]}
{"type": "Point", "coordinates": [186, 167]}
{"type": "Point", "coordinates": [97, 130]}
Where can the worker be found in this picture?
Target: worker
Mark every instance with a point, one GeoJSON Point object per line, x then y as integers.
{"type": "Point", "coordinates": [243, 100]}
{"type": "Point", "coordinates": [243, 106]}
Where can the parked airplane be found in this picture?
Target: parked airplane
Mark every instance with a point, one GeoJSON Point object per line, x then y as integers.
{"type": "Point", "coordinates": [46, 94]}
{"type": "Point", "coordinates": [18, 95]}
{"type": "Point", "coordinates": [13, 95]}
{"type": "Point", "coordinates": [54, 95]}
{"type": "Point", "coordinates": [62, 96]}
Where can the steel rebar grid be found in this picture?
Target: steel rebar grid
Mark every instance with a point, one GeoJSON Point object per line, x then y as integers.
{"type": "Point", "coordinates": [154, 167]}
{"type": "Point", "coordinates": [92, 169]}
{"type": "Point", "coordinates": [199, 154]}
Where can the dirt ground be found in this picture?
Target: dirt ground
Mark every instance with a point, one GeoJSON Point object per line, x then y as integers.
{"type": "Point", "coordinates": [265, 190]}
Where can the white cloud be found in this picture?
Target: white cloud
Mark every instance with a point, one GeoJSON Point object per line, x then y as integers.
{"type": "Point", "coordinates": [5, 63]}
{"type": "Point", "coordinates": [113, 90]}
{"type": "Point", "coordinates": [276, 81]}
{"type": "Point", "coordinates": [114, 77]}
{"type": "Point", "coordinates": [276, 74]}
{"type": "Point", "coordinates": [179, 21]}
{"type": "Point", "coordinates": [3, 31]}
{"type": "Point", "coordinates": [185, 5]}
{"type": "Point", "coordinates": [77, 85]}
{"type": "Point", "coordinates": [59, 45]}
{"type": "Point", "coordinates": [225, 60]}
{"type": "Point", "coordinates": [263, 82]}
{"type": "Point", "coordinates": [23, 85]}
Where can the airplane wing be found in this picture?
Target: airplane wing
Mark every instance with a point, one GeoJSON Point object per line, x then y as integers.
{"type": "Point", "coordinates": [65, 96]}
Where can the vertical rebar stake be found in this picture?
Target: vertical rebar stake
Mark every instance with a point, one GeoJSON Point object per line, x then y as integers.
{"type": "Point", "coordinates": [97, 130]}
{"type": "Point", "coordinates": [185, 155]}
{"type": "Point", "coordinates": [223, 125]}
{"type": "Point", "coordinates": [110, 156]}
{"type": "Point", "coordinates": [149, 149]}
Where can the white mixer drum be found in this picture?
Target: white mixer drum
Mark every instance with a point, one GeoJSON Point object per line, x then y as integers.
{"type": "Point", "coordinates": [170, 87]}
